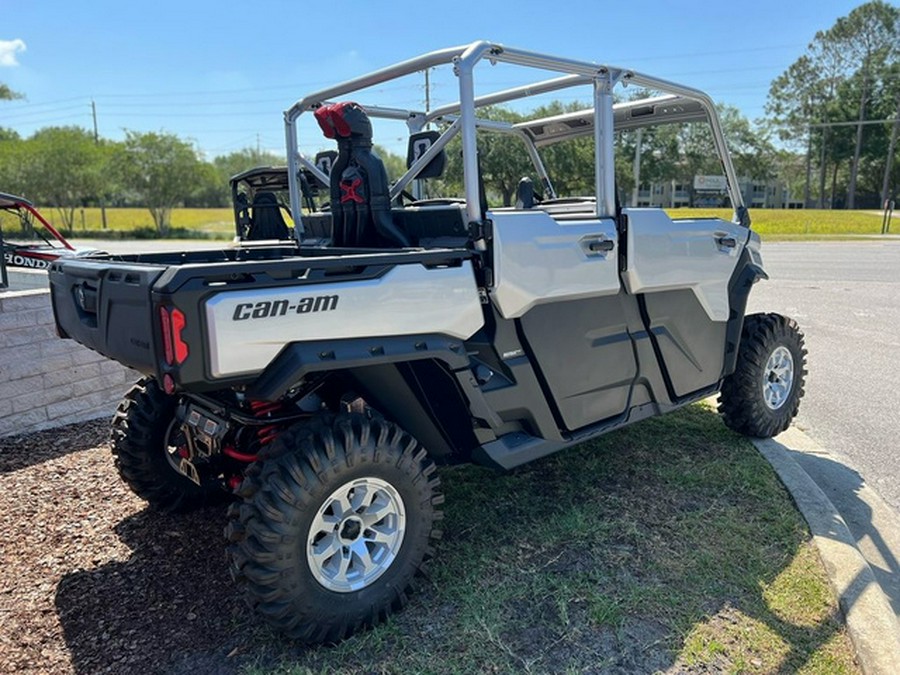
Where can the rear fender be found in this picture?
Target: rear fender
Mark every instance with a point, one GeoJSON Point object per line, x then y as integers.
{"type": "Point", "coordinates": [416, 380]}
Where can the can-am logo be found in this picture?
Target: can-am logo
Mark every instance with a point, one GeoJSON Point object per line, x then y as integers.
{"type": "Point", "coordinates": [265, 309]}
{"type": "Point", "coordinates": [16, 260]}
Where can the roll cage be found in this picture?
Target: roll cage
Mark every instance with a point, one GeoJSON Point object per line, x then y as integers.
{"type": "Point", "coordinates": [678, 104]}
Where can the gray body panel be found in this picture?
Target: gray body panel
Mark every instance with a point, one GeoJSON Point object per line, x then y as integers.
{"type": "Point", "coordinates": [667, 255]}
{"type": "Point", "coordinates": [538, 260]}
{"type": "Point", "coordinates": [408, 300]}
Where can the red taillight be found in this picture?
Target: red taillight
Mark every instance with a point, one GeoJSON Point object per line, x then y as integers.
{"type": "Point", "coordinates": [178, 324]}
{"type": "Point", "coordinates": [172, 322]}
{"type": "Point", "coordinates": [166, 325]}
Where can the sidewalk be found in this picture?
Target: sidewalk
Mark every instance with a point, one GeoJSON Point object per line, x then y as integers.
{"type": "Point", "coordinates": [864, 573]}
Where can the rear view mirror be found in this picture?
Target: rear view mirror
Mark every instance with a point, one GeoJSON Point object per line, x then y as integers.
{"type": "Point", "coordinates": [419, 144]}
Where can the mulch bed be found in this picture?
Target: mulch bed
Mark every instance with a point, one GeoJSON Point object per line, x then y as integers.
{"type": "Point", "coordinates": [91, 581]}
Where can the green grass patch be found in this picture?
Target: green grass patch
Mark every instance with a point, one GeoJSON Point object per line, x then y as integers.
{"type": "Point", "coordinates": [798, 222]}
{"type": "Point", "coordinates": [774, 223]}
{"type": "Point", "coordinates": [670, 544]}
{"type": "Point", "coordinates": [88, 221]}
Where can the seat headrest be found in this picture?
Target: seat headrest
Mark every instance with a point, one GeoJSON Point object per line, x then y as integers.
{"type": "Point", "coordinates": [264, 199]}
{"type": "Point", "coordinates": [344, 120]}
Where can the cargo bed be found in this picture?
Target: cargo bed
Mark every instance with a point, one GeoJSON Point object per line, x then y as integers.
{"type": "Point", "coordinates": [216, 318]}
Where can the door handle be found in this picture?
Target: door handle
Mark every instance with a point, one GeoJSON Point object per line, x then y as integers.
{"type": "Point", "coordinates": [726, 242]}
{"type": "Point", "coordinates": [604, 245]}
{"type": "Point", "coordinates": [596, 246]}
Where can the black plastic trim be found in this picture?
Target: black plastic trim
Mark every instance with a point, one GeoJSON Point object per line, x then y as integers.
{"type": "Point", "coordinates": [745, 274]}
{"type": "Point", "coordinates": [299, 359]}
{"type": "Point", "coordinates": [515, 449]}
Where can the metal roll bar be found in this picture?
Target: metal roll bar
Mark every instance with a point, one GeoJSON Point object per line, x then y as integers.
{"type": "Point", "coordinates": [683, 104]}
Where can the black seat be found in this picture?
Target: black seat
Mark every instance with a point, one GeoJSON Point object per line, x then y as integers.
{"type": "Point", "coordinates": [360, 196]}
{"type": "Point", "coordinates": [267, 221]}
{"type": "Point", "coordinates": [525, 194]}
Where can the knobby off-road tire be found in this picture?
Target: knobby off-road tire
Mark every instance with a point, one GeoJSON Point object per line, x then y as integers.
{"type": "Point", "coordinates": [335, 525]}
{"type": "Point", "coordinates": [763, 394]}
{"type": "Point", "coordinates": [142, 431]}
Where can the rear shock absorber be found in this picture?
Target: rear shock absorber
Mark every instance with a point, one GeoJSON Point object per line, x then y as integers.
{"type": "Point", "coordinates": [265, 434]}
{"type": "Point", "coordinates": [261, 409]}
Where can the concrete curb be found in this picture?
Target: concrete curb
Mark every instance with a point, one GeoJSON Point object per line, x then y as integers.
{"type": "Point", "coordinates": [871, 623]}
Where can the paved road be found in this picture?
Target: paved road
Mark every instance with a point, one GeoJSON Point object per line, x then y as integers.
{"type": "Point", "coordinates": [846, 297]}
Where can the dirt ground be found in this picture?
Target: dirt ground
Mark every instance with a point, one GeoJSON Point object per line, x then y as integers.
{"type": "Point", "coordinates": [92, 581]}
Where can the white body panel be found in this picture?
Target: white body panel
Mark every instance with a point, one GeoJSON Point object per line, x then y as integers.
{"type": "Point", "coordinates": [408, 300]}
{"type": "Point", "coordinates": [537, 260]}
{"type": "Point", "coordinates": [665, 255]}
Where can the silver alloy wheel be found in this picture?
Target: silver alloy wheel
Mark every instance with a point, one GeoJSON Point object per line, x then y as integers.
{"type": "Point", "coordinates": [356, 535]}
{"type": "Point", "coordinates": [778, 378]}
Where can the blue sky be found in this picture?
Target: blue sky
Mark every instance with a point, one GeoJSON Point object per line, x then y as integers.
{"type": "Point", "coordinates": [221, 73]}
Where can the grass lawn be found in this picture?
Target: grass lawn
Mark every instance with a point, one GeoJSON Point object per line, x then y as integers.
{"type": "Point", "coordinates": [669, 545]}
{"type": "Point", "coordinates": [794, 224]}
{"type": "Point", "coordinates": [799, 222]}
{"type": "Point", "coordinates": [121, 220]}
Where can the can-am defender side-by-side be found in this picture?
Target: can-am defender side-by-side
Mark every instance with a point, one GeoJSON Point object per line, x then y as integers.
{"type": "Point", "coordinates": [319, 371]}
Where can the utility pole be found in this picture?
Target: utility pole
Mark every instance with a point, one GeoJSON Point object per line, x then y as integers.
{"type": "Point", "coordinates": [428, 90]}
{"type": "Point", "coordinates": [257, 146]}
{"type": "Point", "coordinates": [806, 189]}
{"type": "Point", "coordinates": [820, 204]}
{"type": "Point", "coordinates": [97, 142]}
{"type": "Point", "coordinates": [885, 185]}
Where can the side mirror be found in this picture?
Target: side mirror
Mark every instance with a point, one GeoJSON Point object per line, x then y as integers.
{"type": "Point", "coordinates": [419, 144]}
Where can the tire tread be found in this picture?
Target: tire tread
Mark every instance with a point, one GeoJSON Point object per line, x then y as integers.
{"type": "Point", "coordinates": [263, 559]}
{"type": "Point", "coordinates": [740, 400]}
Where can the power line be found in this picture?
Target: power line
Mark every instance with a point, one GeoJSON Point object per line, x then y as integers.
{"type": "Point", "coordinates": [40, 113]}
{"type": "Point", "coordinates": [851, 124]}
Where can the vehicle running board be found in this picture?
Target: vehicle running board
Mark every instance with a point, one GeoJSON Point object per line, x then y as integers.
{"type": "Point", "coordinates": [511, 450]}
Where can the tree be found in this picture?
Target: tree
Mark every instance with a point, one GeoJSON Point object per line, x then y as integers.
{"type": "Point", "coordinates": [869, 36]}
{"type": "Point", "coordinates": [394, 165]}
{"type": "Point", "coordinates": [893, 77]}
{"type": "Point", "coordinates": [503, 159]}
{"type": "Point", "coordinates": [570, 164]}
{"type": "Point", "coordinates": [842, 76]}
{"type": "Point", "coordinates": [7, 94]}
{"type": "Point", "coordinates": [62, 167]}
{"type": "Point", "coordinates": [236, 162]}
{"type": "Point", "coordinates": [11, 161]}
{"type": "Point", "coordinates": [209, 189]}
{"type": "Point", "coordinates": [161, 170]}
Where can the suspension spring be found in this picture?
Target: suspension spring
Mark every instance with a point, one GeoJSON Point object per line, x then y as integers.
{"type": "Point", "coordinates": [265, 433]}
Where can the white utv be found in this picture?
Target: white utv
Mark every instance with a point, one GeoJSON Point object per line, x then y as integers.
{"type": "Point", "coordinates": [318, 377]}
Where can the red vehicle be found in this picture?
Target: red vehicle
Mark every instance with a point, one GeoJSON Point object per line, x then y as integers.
{"type": "Point", "coordinates": [27, 239]}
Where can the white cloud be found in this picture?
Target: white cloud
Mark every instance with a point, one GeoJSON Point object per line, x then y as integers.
{"type": "Point", "coordinates": [8, 51]}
